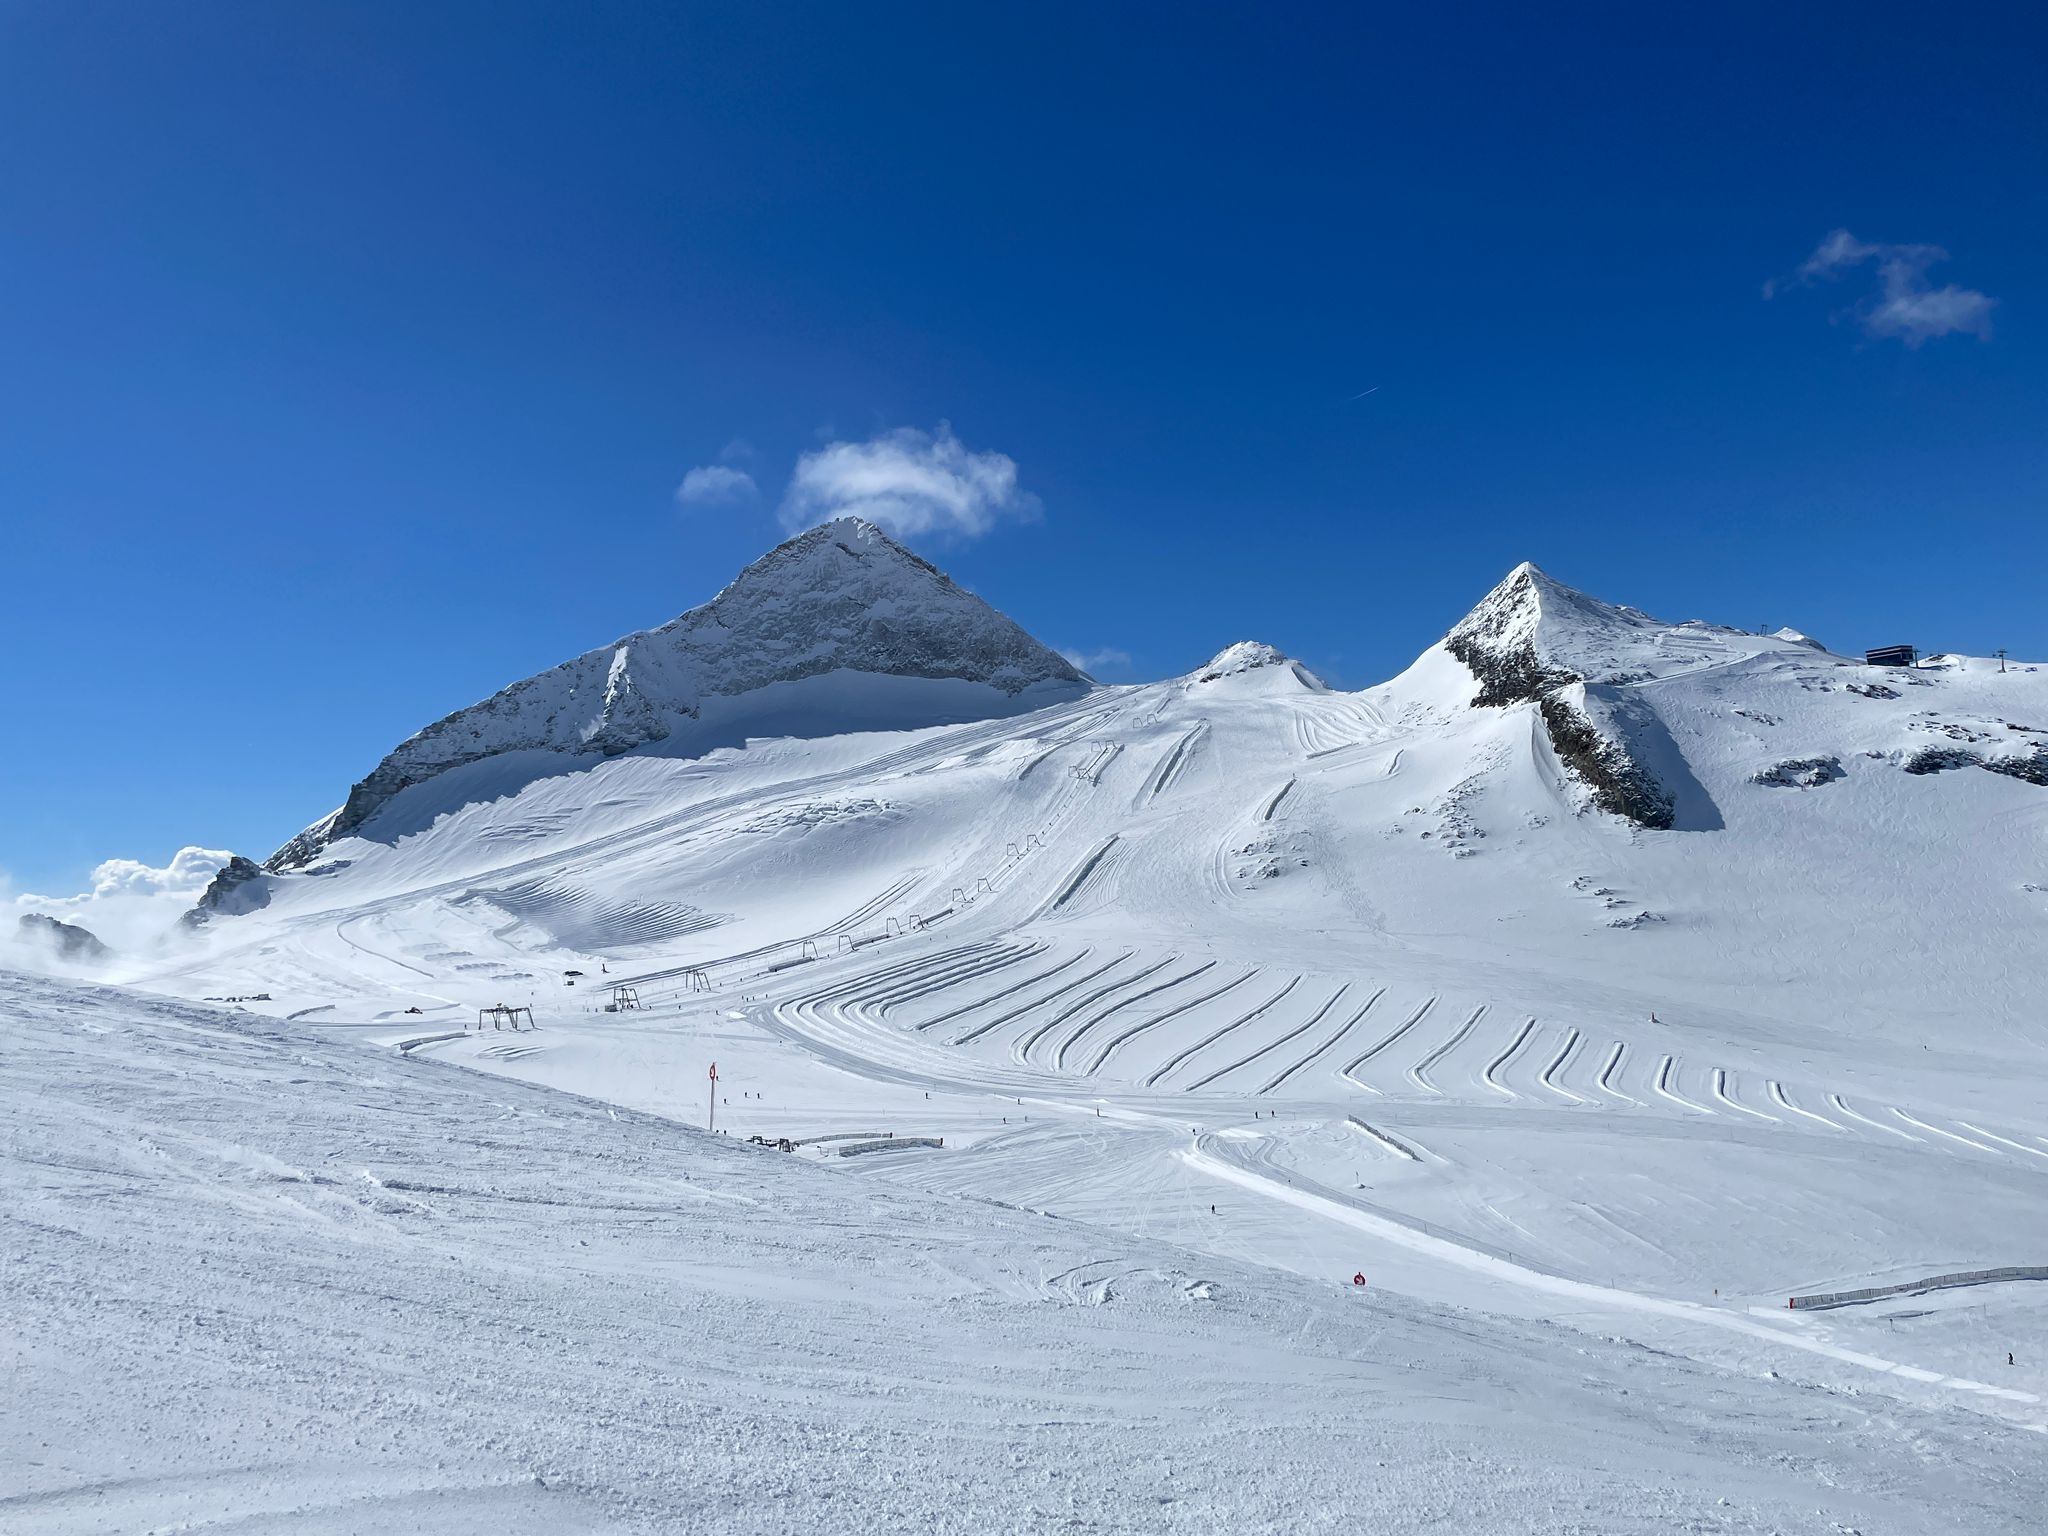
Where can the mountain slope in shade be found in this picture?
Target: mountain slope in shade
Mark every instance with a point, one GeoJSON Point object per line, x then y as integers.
{"type": "Point", "coordinates": [831, 607]}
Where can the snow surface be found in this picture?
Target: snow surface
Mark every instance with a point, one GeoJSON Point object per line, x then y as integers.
{"type": "Point", "coordinates": [263, 1282]}
{"type": "Point", "coordinates": [1250, 985]}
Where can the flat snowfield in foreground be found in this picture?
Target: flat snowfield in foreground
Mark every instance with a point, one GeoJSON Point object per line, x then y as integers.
{"type": "Point", "coordinates": [256, 1281]}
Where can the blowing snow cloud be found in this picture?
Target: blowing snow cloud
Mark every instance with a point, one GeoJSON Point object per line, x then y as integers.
{"type": "Point", "coordinates": [131, 904]}
{"type": "Point", "coordinates": [908, 482]}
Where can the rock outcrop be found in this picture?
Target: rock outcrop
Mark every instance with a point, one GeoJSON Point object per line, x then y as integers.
{"type": "Point", "coordinates": [67, 941]}
{"type": "Point", "coordinates": [241, 886]}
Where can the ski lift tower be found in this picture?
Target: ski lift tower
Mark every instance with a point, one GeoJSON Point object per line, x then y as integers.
{"type": "Point", "coordinates": [625, 999]}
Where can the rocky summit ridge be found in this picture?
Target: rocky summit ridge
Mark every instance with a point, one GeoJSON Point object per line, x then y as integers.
{"type": "Point", "coordinates": [843, 597]}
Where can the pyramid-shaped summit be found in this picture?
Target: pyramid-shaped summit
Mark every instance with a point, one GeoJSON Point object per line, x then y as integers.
{"type": "Point", "coordinates": [1532, 633]}
{"type": "Point", "coordinates": [830, 608]}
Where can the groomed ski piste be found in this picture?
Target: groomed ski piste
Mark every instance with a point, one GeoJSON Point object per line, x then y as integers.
{"type": "Point", "coordinates": [1232, 985]}
{"type": "Point", "coordinates": [261, 1282]}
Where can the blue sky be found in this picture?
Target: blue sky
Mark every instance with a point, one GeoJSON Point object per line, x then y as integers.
{"type": "Point", "coordinates": [352, 356]}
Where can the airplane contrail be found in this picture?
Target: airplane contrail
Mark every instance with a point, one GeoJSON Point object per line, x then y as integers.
{"type": "Point", "coordinates": [1363, 393]}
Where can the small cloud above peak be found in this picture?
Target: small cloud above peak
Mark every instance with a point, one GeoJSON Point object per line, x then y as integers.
{"type": "Point", "coordinates": [1906, 306]}
{"type": "Point", "coordinates": [908, 482]}
{"type": "Point", "coordinates": [1106, 661]}
{"type": "Point", "coordinates": [716, 485]}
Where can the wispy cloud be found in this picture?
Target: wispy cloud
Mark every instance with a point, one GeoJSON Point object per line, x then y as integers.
{"type": "Point", "coordinates": [1905, 306]}
{"type": "Point", "coordinates": [716, 485]}
{"type": "Point", "coordinates": [1098, 663]}
{"type": "Point", "coordinates": [908, 482]}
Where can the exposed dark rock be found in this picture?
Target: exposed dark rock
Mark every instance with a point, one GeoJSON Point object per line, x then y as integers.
{"type": "Point", "coordinates": [1509, 677]}
{"type": "Point", "coordinates": [1636, 920]}
{"type": "Point", "coordinates": [68, 940]}
{"type": "Point", "coordinates": [1799, 772]}
{"type": "Point", "coordinates": [1941, 760]}
{"type": "Point", "coordinates": [2032, 767]}
{"type": "Point", "coordinates": [2029, 767]}
{"type": "Point", "coordinates": [239, 888]}
{"type": "Point", "coordinates": [1620, 785]}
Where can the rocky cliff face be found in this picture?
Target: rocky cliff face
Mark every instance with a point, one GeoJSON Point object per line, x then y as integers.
{"type": "Point", "coordinates": [844, 597]}
{"type": "Point", "coordinates": [67, 941]}
{"type": "Point", "coordinates": [241, 886]}
{"type": "Point", "coordinates": [1534, 640]}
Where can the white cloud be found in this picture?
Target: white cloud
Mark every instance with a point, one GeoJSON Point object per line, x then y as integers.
{"type": "Point", "coordinates": [716, 485]}
{"type": "Point", "coordinates": [907, 482]}
{"type": "Point", "coordinates": [131, 904]}
{"type": "Point", "coordinates": [1914, 312]}
{"type": "Point", "coordinates": [1097, 663]}
{"type": "Point", "coordinates": [1905, 306]}
{"type": "Point", "coordinates": [190, 871]}
{"type": "Point", "coordinates": [735, 451]}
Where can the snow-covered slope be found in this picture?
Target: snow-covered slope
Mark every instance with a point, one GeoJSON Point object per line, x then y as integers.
{"type": "Point", "coordinates": [1328, 981]}
{"type": "Point", "coordinates": [258, 1281]}
{"type": "Point", "coordinates": [841, 606]}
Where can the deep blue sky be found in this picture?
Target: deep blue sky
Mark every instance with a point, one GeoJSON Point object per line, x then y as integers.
{"type": "Point", "coordinates": [351, 355]}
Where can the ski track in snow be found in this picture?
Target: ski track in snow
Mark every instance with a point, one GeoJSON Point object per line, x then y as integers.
{"type": "Point", "coordinates": [1351, 1068]}
{"type": "Point", "coordinates": [1300, 1029]}
{"type": "Point", "coordinates": [1490, 1077]}
{"type": "Point", "coordinates": [1564, 1055]}
{"type": "Point", "coordinates": [1450, 1253]}
{"type": "Point", "coordinates": [1418, 1073]}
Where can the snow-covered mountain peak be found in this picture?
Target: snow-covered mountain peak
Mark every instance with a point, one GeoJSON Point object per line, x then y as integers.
{"type": "Point", "coordinates": [840, 628]}
{"type": "Point", "coordinates": [1580, 660]}
{"type": "Point", "coordinates": [1532, 633]}
{"type": "Point", "coordinates": [1797, 637]}
{"type": "Point", "coordinates": [1533, 622]}
{"type": "Point", "coordinates": [1242, 657]}
{"type": "Point", "coordinates": [1253, 656]}
{"type": "Point", "coordinates": [829, 555]}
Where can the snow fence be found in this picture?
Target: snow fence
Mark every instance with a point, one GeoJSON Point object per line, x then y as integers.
{"type": "Point", "coordinates": [1912, 1287]}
